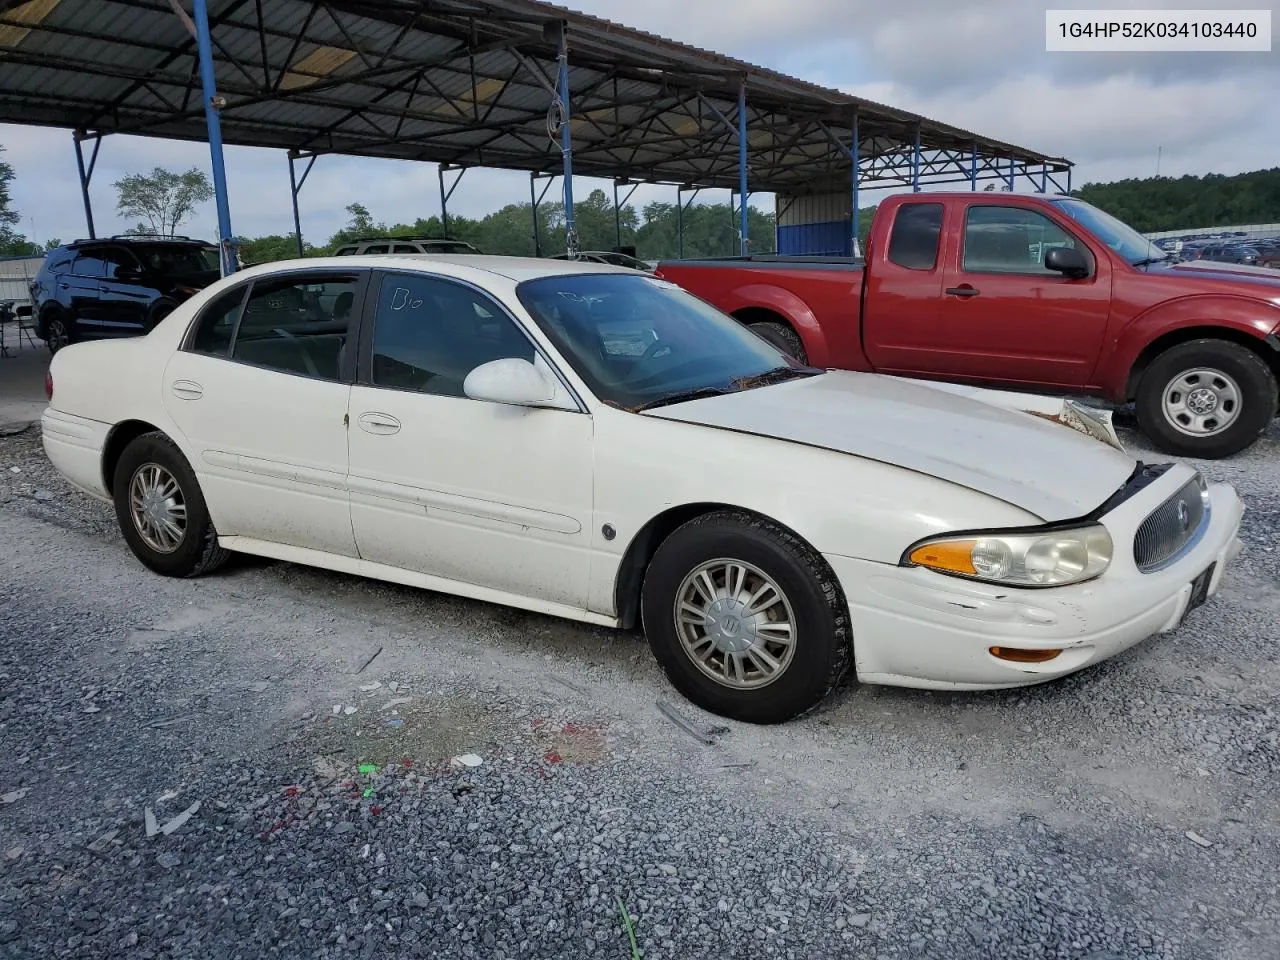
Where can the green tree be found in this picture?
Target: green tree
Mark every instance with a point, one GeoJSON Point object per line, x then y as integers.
{"type": "Point", "coordinates": [12, 243]}
{"type": "Point", "coordinates": [161, 199]}
{"type": "Point", "coordinates": [272, 248]}
{"type": "Point", "coordinates": [1177, 203]}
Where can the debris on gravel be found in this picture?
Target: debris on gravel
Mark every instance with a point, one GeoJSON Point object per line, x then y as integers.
{"type": "Point", "coordinates": [1125, 812]}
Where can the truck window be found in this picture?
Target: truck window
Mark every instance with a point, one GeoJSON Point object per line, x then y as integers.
{"type": "Point", "coordinates": [1010, 240]}
{"type": "Point", "coordinates": [916, 231]}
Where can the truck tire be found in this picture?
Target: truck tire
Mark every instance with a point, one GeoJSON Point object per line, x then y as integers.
{"type": "Point", "coordinates": [1206, 398]}
{"type": "Point", "coordinates": [782, 337]}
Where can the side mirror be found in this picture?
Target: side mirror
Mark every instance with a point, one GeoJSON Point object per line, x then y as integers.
{"type": "Point", "coordinates": [513, 381]}
{"type": "Point", "coordinates": [128, 274]}
{"type": "Point", "coordinates": [1068, 261]}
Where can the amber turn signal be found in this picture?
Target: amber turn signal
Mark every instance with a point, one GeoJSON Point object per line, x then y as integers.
{"type": "Point", "coordinates": [1017, 655]}
{"type": "Point", "coordinates": [953, 556]}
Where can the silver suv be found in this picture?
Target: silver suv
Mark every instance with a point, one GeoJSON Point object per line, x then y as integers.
{"type": "Point", "coordinates": [404, 245]}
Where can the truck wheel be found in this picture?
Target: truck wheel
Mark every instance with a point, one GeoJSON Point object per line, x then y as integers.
{"type": "Point", "coordinates": [782, 337]}
{"type": "Point", "coordinates": [1206, 399]}
{"type": "Point", "coordinates": [744, 618]}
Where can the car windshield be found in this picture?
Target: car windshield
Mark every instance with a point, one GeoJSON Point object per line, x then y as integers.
{"type": "Point", "coordinates": [639, 342]}
{"type": "Point", "coordinates": [172, 260]}
{"type": "Point", "coordinates": [1116, 234]}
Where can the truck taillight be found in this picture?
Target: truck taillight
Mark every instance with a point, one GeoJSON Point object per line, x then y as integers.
{"type": "Point", "coordinates": [48, 385]}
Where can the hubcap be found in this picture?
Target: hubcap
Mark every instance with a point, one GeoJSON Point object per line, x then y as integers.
{"type": "Point", "coordinates": [57, 335]}
{"type": "Point", "coordinates": [735, 624]}
{"type": "Point", "coordinates": [158, 510]}
{"type": "Point", "coordinates": [1201, 403]}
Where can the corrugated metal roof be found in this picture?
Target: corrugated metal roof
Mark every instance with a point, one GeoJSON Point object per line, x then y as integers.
{"type": "Point", "coordinates": [454, 81]}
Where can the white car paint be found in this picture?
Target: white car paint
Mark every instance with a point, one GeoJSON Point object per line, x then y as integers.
{"type": "Point", "coordinates": [508, 504]}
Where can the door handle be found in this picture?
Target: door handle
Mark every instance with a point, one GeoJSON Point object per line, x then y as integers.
{"type": "Point", "coordinates": [962, 291]}
{"type": "Point", "coordinates": [381, 424]}
{"type": "Point", "coordinates": [187, 390]}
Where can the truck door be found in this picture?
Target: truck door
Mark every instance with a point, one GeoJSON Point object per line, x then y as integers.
{"type": "Point", "coordinates": [903, 291]}
{"type": "Point", "coordinates": [1003, 316]}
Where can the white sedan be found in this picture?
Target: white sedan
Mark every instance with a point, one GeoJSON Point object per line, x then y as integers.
{"type": "Point", "coordinates": [593, 443]}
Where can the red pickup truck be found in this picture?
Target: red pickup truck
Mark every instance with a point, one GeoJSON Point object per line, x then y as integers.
{"type": "Point", "coordinates": [1038, 293]}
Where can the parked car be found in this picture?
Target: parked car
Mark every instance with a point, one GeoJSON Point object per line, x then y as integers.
{"type": "Point", "coordinates": [1027, 292]}
{"type": "Point", "coordinates": [590, 442]}
{"type": "Point", "coordinates": [117, 287]}
{"type": "Point", "coordinates": [375, 245]}
{"type": "Point", "coordinates": [607, 256]}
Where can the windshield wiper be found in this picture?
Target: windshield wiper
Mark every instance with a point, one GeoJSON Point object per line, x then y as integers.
{"type": "Point", "coordinates": [1147, 261]}
{"type": "Point", "coordinates": [776, 375]}
{"type": "Point", "coordinates": [681, 397]}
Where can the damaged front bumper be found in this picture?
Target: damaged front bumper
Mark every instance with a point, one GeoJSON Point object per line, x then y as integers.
{"type": "Point", "coordinates": [917, 628]}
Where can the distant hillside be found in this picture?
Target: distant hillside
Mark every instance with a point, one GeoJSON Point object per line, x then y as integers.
{"type": "Point", "coordinates": [1169, 203]}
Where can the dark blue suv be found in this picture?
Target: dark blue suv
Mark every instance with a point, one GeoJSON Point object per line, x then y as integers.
{"type": "Point", "coordinates": [117, 287]}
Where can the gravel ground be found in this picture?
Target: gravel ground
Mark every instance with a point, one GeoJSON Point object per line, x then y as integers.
{"type": "Point", "coordinates": [1126, 812]}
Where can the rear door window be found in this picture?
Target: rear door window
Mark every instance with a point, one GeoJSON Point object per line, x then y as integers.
{"type": "Point", "coordinates": [89, 264]}
{"type": "Point", "coordinates": [917, 231]}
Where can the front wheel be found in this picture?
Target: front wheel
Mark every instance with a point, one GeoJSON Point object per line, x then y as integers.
{"type": "Point", "coordinates": [161, 510]}
{"type": "Point", "coordinates": [1206, 399]}
{"type": "Point", "coordinates": [744, 618]}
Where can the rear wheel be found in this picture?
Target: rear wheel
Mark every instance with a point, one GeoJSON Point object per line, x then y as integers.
{"type": "Point", "coordinates": [744, 618]}
{"type": "Point", "coordinates": [57, 332]}
{"type": "Point", "coordinates": [1206, 398]}
{"type": "Point", "coordinates": [782, 337]}
{"type": "Point", "coordinates": [161, 510]}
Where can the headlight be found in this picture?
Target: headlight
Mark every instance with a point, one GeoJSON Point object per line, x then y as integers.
{"type": "Point", "coordinates": [1048, 558]}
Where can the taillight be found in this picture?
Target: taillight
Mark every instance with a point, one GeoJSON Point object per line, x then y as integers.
{"type": "Point", "coordinates": [48, 385]}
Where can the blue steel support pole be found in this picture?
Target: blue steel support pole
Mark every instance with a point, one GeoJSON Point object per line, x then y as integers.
{"type": "Point", "coordinates": [533, 207]}
{"type": "Point", "coordinates": [855, 188]}
{"type": "Point", "coordinates": [973, 169]}
{"type": "Point", "coordinates": [1068, 181]}
{"type": "Point", "coordinates": [566, 143]}
{"type": "Point", "coordinates": [1013, 176]}
{"type": "Point", "coordinates": [84, 181]}
{"type": "Point", "coordinates": [293, 191]}
{"type": "Point", "coordinates": [208, 82]}
{"type": "Point", "coordinates": [915, 163]}
{"type": "Point", "coordinates": [743, 223]}
{"type": "Point", "coordinates": [680, 223]}
{"type": "Point", "coordinates": [1044, 178]}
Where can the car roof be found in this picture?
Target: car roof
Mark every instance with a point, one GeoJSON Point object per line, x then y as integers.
{"type": "Point", "coordinates": [461, 265]}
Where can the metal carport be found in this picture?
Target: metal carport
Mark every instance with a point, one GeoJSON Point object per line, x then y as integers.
{"type": "Point", "coordinates": [467, 83]}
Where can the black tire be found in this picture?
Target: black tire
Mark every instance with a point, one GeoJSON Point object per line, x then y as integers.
{"type": "Point", "coordinates": [822, 644]}
{"type": "Point", "coordinates": [198, 551]}
{"type": "Point", "coordinates": [58, 331]}
{"type": "Point", "coordinates": [159, 310]}
{"type": "Point", "coordinates": [1256, 387]}
{"type": "Point", "coordinates": [782, 337]}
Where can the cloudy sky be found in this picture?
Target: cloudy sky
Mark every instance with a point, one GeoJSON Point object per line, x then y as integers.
{"type": "Point", "coordinates": [980, 65]}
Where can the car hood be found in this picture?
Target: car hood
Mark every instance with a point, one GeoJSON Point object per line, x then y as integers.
{"type": "Point", "coordinates": [1043, 467]}
{"type": "Point", "coordinates": [1264, 281]}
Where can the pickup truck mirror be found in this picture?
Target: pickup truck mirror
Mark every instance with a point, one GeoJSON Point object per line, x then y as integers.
{"type": "Point", "coordinates": [1068, 261]}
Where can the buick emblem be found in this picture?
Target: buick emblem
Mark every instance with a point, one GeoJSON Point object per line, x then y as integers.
{"type": "Point", "coordinates": [1184, 515]}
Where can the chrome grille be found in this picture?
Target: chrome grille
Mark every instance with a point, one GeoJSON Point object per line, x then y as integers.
{"type": "Point", "coordinates": [1170, 527]}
